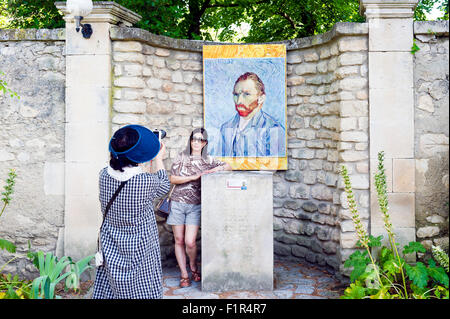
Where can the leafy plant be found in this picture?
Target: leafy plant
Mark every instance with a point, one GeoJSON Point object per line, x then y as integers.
{"type": "Point", "coordinates": [13, 288]}
{"type": "Point", "coordinates": [9, 189]}
{"type": "Point", "coordinates": [6, 198]}
{"type": "Point", "coordinates": [414, 47]}
{"type": "Point", "coordinates": [51, 272]}
{"type": "Point", "coordinates": [4, 87]}
{"type": "Point", "coordinates": [76, 269]}
{"type": "Point", "coordinates": [389, 276]}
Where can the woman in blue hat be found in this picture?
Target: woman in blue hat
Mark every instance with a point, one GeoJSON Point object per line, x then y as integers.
{"type": "Point", "coordinates": [129, 238]}
{"type": "Point", "coordinates": [185, 208]}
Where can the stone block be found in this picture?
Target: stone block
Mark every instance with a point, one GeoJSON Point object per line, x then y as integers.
{"type": "Point", "coordinates": [353, 44]}
{"type": "Point", "coordinates": [348, 240]}
{"type": "Point", "coordinates": [321, 192]}
{"type": "Point", "coordinates": [390, 34]}
{"type": "Point", "coordinates": [130, 106]}
{"type": "Point", "coordinates": [348, 124]}
{"type": "Point", "coordinates": [237, 231]}
{"type": "Point", "coordinates": [404, 175]}
{"type": "Point", "coordinates": [353, 156]}
{"type": "Point", "coordinates": [354, 136]}
{"type": "Point", "coordinates": [54, 178]}
{"type": "Point", "coordinates": [98, 44]}
{"type": "Point", "coordinates": [85, 138]}
{"type": "Point", "coordinates": [162, 52]}
{"type": "Point", "coordinates": [305, 68]}
{"type": "Point", "coordinates": [128, 119]}
{"type": "Point", "coordinates": [294, 57]}
{"type": "Point", "coordinates": [433, 144]}
{"type": "Point", "coordinates": [361, 146]}
{"type": "Point", "coordinates": [429, 231]}
{"type": "Point", "coordinates": [87, 104]}
{"type": "Point", "coordinates": [425, 103]}
{"type": "Point", "coordinates": [382, 128]}
{"type": "Point", "coordinates": [130, 57]}
{"type": "Point", "coordinates": [132, 70]}
{"type": "Point", "coordinates": [82, 221]}
{"type": "Point", "coordinates": [126, 46]}
{"type": "Point", "coordinates": [388, 171]}
{"type": "Point", "coordinates": [351, 84]}
{"type": "Point", "coordinates": [352, 58]}
{"type": "Point", "coordinates": [401, 210]}
{"type": "Point", "coordinates": [398, 68]}
{"type": "Point", "coordinates": [88, 71]}
{"type": "Point", "coordinates": [129, 82]}
{"type": "Point", "coordinates": [299, 191]}
{"type": "Point", "coordinates": [81, 179]}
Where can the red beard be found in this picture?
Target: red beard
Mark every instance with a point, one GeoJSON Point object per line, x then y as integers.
{"type": "Point", "coordinates": [245, 111]}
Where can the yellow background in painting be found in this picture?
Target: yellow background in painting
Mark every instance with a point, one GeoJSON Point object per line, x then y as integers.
{"type": "Point", "coordinates": [249, 51]}
{"type": "Point", "coordinates": [255, 163]}
{"type": "Point", "coordinates": [244, 51]}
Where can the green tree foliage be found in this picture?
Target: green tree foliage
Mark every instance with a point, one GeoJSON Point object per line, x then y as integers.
{"type": "Point", "coordinates": [268, 20]}
{"type": "Point", "coordinates": [34, 14]}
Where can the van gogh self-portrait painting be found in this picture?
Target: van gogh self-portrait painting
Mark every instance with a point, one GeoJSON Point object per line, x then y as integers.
{"type": "Point", "coordinates": [245, 105]}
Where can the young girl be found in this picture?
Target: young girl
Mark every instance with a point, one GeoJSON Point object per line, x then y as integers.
{"type": "Point", "coordinates": [184, 216]}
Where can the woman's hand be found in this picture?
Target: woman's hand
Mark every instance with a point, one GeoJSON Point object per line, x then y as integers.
{"type": "Point", "coordinates": [162, 152]}
{"type": "Point", "coordinates": [157, 162]}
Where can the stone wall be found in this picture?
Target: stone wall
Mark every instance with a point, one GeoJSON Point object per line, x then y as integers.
{"type": "Point", "coordinates": [32, 140]}
{"type": "Point", "coordinates": [431, 80]}
{"type": "Point", "coordinates": [158, 83]}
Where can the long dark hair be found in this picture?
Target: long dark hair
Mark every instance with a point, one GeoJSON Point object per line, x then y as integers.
{"type": "Point", "coordinates": [188, 150]}
{"type": "Point", "coordinates": [122, 140]}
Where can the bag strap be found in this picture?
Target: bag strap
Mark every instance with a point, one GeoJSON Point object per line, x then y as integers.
{"type": "Point", "coordinates": [171, 191]}
{"type": "Point", "coordinates": [108, 206]}
{"type": "Point", "coordinates": [122, 184]}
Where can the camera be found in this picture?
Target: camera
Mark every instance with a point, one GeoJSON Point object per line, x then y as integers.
{"type": "Point", "coordinates": [160, 134]}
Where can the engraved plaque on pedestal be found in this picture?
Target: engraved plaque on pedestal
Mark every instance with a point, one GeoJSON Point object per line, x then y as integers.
{"type": "Point", "coordinates": [237, 231]}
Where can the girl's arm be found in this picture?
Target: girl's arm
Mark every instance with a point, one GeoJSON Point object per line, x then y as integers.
{"type": "Point", "coordinates": [225, 167]}
{"type": "Point", "coordinates": [183, 179]}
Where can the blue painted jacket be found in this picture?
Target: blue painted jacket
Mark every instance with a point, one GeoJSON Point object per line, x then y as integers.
{"type": "Point", "coordinates": [263, 136]}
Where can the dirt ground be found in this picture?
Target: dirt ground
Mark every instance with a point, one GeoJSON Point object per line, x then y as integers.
{"type": "Point", "coordinates": [72, 294]}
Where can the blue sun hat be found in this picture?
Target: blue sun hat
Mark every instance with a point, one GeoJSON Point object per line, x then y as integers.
{"type": "Point", "coordinates": [146, 148]}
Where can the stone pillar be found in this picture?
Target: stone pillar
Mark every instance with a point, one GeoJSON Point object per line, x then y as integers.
{"type": "Point", "coordinates": [391, 111]}
{"type": "Point", "coordinates": [87, 128]}
{"type": "Point", "coordinates": [237, 231]}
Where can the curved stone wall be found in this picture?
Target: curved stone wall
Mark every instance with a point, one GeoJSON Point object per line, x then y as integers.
{"type": "Point", "coordinates": [158, 83]}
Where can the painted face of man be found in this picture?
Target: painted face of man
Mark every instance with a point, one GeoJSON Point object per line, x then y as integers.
{"type": "Point", "coordinates": [246, 97]}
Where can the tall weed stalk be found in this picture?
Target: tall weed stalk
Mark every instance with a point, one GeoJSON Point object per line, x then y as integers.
{"type": "Point", "coordinates": [381, 187]}
{"type": "Point", "coordinates": [363, 237]}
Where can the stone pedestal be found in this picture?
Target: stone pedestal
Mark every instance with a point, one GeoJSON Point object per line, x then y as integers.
{"type": "Point", "coordinates": [237, 231]}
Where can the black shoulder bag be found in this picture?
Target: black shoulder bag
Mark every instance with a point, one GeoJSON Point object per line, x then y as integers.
{"type": "Point", "coordinates": [99, 254]}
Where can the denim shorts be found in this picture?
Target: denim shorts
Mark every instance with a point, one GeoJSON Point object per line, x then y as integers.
{"type": "Point", "coordinates": [184, 214]}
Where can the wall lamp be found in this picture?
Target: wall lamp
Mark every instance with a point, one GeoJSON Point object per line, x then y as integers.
{"type": "Point", "coordinates": [78, 9]}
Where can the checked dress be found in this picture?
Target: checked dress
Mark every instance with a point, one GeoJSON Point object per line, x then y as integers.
{"type": "Point", "coordinates": [129, 238]}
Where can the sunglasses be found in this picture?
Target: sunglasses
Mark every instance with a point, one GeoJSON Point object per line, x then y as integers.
{"type": "Point", "coordinates": [196, 139]}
